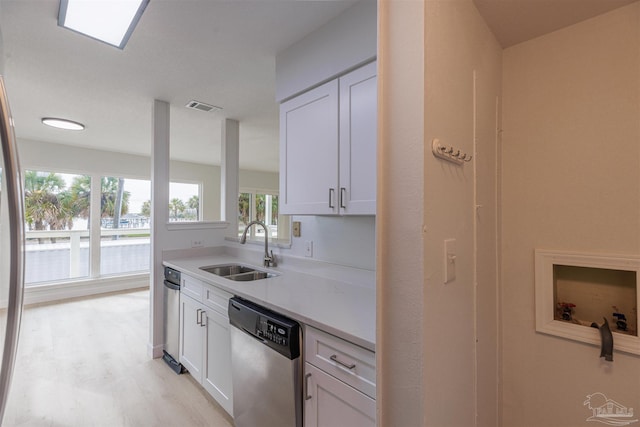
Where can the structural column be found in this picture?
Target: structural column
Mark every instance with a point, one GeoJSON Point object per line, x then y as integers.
{"type": "Point", "coordinates": [229, 174]}
{"type": "Point", "coordinates": [159, 218]}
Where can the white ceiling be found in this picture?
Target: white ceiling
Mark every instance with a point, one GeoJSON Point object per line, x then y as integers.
{"type": "Point", "coordinates": [218, 52]}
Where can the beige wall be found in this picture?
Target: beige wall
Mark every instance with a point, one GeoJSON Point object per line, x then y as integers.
{"type": "Point", "coordinates": [462, 82]}
{"type": "Point", "coordinates": [427, 329]}
{"type": "Point", "coordinates": [570, 181]}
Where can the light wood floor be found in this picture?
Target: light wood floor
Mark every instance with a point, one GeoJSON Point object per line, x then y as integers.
{"type": "Point", "coordinates": [85, 363]}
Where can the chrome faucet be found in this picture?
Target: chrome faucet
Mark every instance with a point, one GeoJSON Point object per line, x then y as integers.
{"type": "Point", "coordinates": [269, 258]}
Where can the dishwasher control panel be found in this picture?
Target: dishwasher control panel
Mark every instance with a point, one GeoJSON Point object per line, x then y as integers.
{"type": "Point", "coordinates": [269, 330]}
{"type": "Point", "coordinates": [275, 330]}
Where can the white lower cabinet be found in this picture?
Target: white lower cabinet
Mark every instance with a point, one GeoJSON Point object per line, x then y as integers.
{"type": "Point", "coordinates": [216, 375]}
{"type": "Point", "coordinates": [339, 382]}
{"type": "Point", "coordinates": [205, 344]}
{"type": "Point", "coordinates": [332, 403]}
{"type": "Point", "coordinates": [191, 342]}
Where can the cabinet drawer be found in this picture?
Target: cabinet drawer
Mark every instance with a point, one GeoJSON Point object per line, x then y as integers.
{"type": "Point", "coordinates": [348, 362]}
{"type": "Point", "coordinates": [330, 402]}
{"type": "Point", "coordinates": [216, 299]}
{"type": "Point", "coordinates": [192, 287]}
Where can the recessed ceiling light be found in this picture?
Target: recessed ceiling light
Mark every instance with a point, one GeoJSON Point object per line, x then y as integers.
{"type": "Point", "coordinates": [62, 123]}
{"type": "Point", "coordinates": [110, 21]}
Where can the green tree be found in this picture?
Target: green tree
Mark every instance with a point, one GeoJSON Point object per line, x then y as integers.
{"type": "Point", "coordinates": [40, 199]}
{"type": "Point", "coordinates": [145, 209]}
{"type": "Point", "coordinates": [81, 195]}
{"type": "Point", "coordinates": [109, 187]}
{"type": "Point", "coordinates": [194, 203]}
{"type": "Point", "coordinates": [176, 208]}
{"type": "Point", "coordinates": [244, 203]}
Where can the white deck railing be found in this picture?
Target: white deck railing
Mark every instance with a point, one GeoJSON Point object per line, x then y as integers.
{"type": "Point", "coordinates": [67, 258]}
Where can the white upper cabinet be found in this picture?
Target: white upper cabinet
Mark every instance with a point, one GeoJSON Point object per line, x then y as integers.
{"type": "Point", "coordinates": [358, 136]}
{"type": "Point", "coordinates": [309, 152]}
{"type": "Point", "coordinates": [328, 147]}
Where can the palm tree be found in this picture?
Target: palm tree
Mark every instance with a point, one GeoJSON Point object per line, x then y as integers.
{"type": "Point", "coordinates": [81, 196]}
{"type": "Point", "coordinates": [110, 188]}
{"type": "Point", "coordinates": [243, 208]}
{"type": "Point", "coordinates": [145, 210]}
{"type": "Point", "coordinates": [194, 203]}
{"type": "Point", "coordinates": [42, 207]}
{"type": "Point", "coordinates": [176, 208]}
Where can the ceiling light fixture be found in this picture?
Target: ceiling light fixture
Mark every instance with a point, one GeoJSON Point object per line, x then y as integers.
{"type": "Point", "coordinates": [62, 123]}
{"type": "Point", "coordinates": [110, 21]}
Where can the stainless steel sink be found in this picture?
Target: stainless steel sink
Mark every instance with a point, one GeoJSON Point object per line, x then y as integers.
{"type": "Point", "coordinates": [254, 275]}
{"type": "Point", "coordinates": [237, 272]}
{"type": "Point", "coordinates": [227, 270]}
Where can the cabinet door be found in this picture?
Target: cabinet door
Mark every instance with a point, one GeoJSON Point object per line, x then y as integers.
{"type": "Point", "coordinates": [332, 403]}
{"type": "Point", "coordinates": [358, 141]}
{"type": "Point", "coordinates": [191, 336]}
{"type": "Point", "coordinates": [309, 152]}
{"type": "Point", "coordinates": [217, 369]}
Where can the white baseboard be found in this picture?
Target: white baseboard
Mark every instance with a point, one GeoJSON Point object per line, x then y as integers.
{"type": "Point", "coordinates": [155, 351]}
{"type": "Point", "coordinates": [81, 288]}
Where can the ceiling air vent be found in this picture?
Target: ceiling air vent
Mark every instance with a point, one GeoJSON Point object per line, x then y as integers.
{"type": "Point", "coordinates": [197, 105]}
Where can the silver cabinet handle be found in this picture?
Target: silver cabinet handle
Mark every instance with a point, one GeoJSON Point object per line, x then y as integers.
{"type": "Point", "coordinates": [342, 197]}
{"type": "Point", "coordinates": [202, 318]}
{"type": "Point", "coordinates": [307, 396]}
{"type": "Point", "coordinates": [331, 205]}
{"type": "Point", "coordinates": [339, 362]}
{"type": "Point", "coordinates": [198, 317]}
{"type": "Point", "coordinates": [16, 233]}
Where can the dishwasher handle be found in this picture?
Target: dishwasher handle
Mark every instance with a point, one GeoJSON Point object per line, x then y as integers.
{"type": "Point", "coordinates": [171, 285]}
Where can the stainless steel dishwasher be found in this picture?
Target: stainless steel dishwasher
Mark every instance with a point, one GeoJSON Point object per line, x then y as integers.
{"type": "Point", "coordinates": [266, 367]}
{"type": "Point", "coordinates": [171, 317]}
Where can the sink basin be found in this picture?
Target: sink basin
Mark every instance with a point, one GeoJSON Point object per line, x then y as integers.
{"type": "Point", "coordinates": [253, 275]}
{"type": "Point", "coordinates": [237, 272]}
{"type": "Point", "coordinates": [227, 270]}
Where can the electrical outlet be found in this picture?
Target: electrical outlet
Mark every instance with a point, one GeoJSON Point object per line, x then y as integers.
{"type": "Point", "coordinates": [197, 243]}
{"type": "Point", "coordinates": [308, 248]}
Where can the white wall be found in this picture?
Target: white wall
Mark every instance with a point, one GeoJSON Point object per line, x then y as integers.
{"type": "Point", "coordinates": [344, 43]}
{"type": "Point", "coordinates": [348, 241]}
{"type": "Point", "coordinates": [571, 181]}
{"type": "Point", "coordinates": [427, 330]}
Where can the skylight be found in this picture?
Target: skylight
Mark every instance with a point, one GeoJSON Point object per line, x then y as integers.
{"type": "Point", "coordinates": [110, 21]}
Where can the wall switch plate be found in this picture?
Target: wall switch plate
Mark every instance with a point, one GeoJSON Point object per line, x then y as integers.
{"type": "Point", "coordinates": [449, 260]}
{"type": "Point", "coordinates": [197, 243]}
{"type": "Point", "coordinates": [308, 248]}
{"type": "Point", "coordinates": [296, 228]}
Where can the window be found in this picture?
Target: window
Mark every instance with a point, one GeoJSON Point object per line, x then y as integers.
{"type": "Point", "coordinates": [125, 244]}
{"type": "Point", "coordinates": [57, 210]}
{"type": "Point", "coordinates": [58, 216]}
{"type": "Point", "coordinates": [184, 202]}
{"type": "Point", "coordinates": [262, 206]}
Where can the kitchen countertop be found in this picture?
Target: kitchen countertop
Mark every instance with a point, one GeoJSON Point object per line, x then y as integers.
{"type": "Point", "coordinates": [336, 299]}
